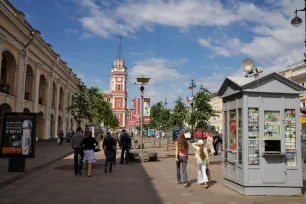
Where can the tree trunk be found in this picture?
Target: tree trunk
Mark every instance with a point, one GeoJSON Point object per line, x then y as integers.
{"type": "Point", "coordinates": [154, 136]}
{"type": "Point", "coordinates": [159, 145]}
{"type": "Point", "coordinates": [167, 140]}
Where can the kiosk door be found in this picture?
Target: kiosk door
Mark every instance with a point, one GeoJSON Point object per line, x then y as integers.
{"type": "Point", "coordinates": [275, 163]}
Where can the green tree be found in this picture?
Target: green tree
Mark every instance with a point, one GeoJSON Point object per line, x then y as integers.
{"type": "Point", "coordinates": [179, 114]}
{"type": "Point", "coordinates": [80, 105]}
{"type": "Point", "coordinates": [97, 106]}
{"type": "Point", "coordinates": [155, 117]}
{"type": "Point", "coordinates": [202, 109]}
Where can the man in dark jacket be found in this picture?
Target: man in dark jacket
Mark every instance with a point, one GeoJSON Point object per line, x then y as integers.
{"type": "Point", "coordinates": [76, 140]}
{"type": "Point", "coordinates": [108, 146]}
{"type": "Point", "coordinates": [125, 145]}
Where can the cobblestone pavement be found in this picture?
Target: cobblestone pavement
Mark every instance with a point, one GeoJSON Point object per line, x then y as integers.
{"type": "Point", "coordinates": [145, 183]}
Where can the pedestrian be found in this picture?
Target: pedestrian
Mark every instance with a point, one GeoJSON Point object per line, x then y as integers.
{"type": "Point", "coordinates": [217, 140]}
{"type": "Point", "coordinates": [125, 145]}
{"type": "Point", "coordinates": [116, 140]}
{"type": "Point", "coordinates": [69, 136]}
{"type": "Point", "coordinates": [210, 146]}
{"type": "Point", "coordinates": [89, 155]}
{"type": "Point", "coordinates": [78, 150]}
{"type": "Point", "coordinates": [181, 155]}
{"type": "Point", "coordinates": [108, 146]}
{"type": "Point", "coordinates": [202, 162]}
{"type": "Point", "coordinates": [61, 137]}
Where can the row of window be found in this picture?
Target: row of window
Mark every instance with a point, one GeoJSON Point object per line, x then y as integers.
{"type": "Point", "coordinates": [272, 130]}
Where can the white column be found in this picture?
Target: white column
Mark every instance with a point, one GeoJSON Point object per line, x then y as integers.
{"type": "Point", "coordinates": [37, 78]}
{"type": "Point", "coordinates": [2, 38]}
{"type": "Point", "coordinates": [21, 76]}
{"type": "Point", "coordinates": [56, 110]}
{"type": "Point", "coordinates": [49, 105]}
{"type": "Point", "coordinates": [64, 111]}
{"type": "Point", "coordinates": [124, 119]}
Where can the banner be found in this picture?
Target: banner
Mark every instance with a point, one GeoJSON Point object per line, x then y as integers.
{"type": "Point", "coordinates": [146, 107]}
{"type": "Point", "coordinates": [137, 106]}
{"type": "Point", "coordinates": [18, 135]}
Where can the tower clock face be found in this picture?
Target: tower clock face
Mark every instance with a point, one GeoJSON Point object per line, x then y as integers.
{"type": "Point", "coordinates": [119, 79]}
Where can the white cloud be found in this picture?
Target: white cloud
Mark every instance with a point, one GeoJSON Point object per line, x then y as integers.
{"type": "Point", "coordinates": [71, 31]}
{"type": "Point", "coordinates": [204, 43]}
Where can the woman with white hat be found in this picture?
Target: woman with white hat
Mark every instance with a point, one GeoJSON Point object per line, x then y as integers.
{"type": "Point", "coordinates": [202, 162]}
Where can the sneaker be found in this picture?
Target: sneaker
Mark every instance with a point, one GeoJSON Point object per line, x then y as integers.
{"type": "Point", "coordinates": [179, 182]}
{"type": "Point", "coordinates": [80, 172]}
{"type": "Point", "coordinates": [186, 184]}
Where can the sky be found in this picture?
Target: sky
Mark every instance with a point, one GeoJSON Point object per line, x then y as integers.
{"type": "Point", "coordinates": [170, 41]}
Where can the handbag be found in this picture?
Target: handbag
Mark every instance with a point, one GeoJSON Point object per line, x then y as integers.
{"type": "Point", "coordinates": [208, 173]}
{"type": "Point", "coordinates": [97, 149]}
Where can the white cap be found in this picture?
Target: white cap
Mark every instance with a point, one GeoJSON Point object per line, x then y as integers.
{"type": "Point", "coordinates": [200, 142]}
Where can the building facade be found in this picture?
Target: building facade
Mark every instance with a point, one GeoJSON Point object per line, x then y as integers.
{"type": "Point", "coordinates": [297, 73]}
{"type": "Point", "coordinates": [216, 103]}
{"type": "Point", "coordinates": [33, 78]}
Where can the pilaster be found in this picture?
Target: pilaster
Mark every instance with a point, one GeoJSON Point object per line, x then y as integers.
{"type": "Point", "coordinates": [49, 105]}
{"type": "Point", "coordinates": [21, 80]}
{"type": "Point", "coordinates": [64, 109]}
{"type": "Point", "coordinates": [2, 38]}
{"type": "Point", "coordinates": [37, 78]}
{"type": "Point", "coordinates": [56, 109]}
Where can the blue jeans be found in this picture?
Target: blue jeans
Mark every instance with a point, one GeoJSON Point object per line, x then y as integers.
{"type": "Point", "coordinates": [183, 160]}
{"type": "Point", "coordinates": [78, 160]}
{"type": "Point", "coordinates": [109, 157]}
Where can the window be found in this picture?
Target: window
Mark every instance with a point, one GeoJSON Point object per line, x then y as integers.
{"type": "Point", "coordinates": [304, 104]}
{"type": "Point", "coordinates": [119, 87]}
{"type": "Point", "coordinates": [290, 137]}
{"type": "Point", "coordinates": [225, 134]}
{"type": "Point", "coordinates": [303, 84]}
{"type": "Point", "coordinates": [118, 116]}
{"type": "Point", "coordinates": [253, 136]}
{"type": "Point", "coordinates": [272, 124]}
{"type": "Point", "coordinates": [240, 135]}
{"type": "Point", "coordinates": [232, 130]}
{"type": "Point", "coordinates": [118, 103]}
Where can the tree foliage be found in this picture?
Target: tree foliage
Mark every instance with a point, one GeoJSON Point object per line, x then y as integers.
{"type": "Point", "coordinates": [202, 109]}
{"type": "Point", "coordinates": [80, 105]}
{"type": "Point", "coordinates": [179, 114]}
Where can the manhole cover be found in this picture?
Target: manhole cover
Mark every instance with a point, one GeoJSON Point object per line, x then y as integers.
{"type": "Point", "coordinates": [71, 167]}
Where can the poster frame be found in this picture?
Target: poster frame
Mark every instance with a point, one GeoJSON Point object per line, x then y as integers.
{"type": "Point", "coordinates": [33, 141]}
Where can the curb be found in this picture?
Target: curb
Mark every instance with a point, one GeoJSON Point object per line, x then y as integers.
{"type": "Point", "coordinates": [17, 178]}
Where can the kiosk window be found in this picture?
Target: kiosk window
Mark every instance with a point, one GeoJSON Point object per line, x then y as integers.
{"type": "Point", "coordinates": [253, 136]}
{"type": "Point", "coordinates": [225, 139]}
{"type": "Point", "coordinates": [233, 130]}
{"type": "Point", "coordinates": [272, 124]}
{"type": "Point", "coordinates": [240, 135]}
{"type": "Point", "coordinates": [290, 137]}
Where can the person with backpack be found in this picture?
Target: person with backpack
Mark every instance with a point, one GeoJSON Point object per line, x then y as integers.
{"type": "Point", "coordinates": [202, 162]}
{"type": "Point", "coordinates": [125, 145]}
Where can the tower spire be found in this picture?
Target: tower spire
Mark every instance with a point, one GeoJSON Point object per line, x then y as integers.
{"type": "Point", "coordinates": [119, 48]}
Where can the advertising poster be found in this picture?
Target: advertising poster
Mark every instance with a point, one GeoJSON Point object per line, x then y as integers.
{"type": "Point", "coordinates": [232, 131]}
{"type": "Point", "coordinates": [18, 135]}
{"type": "Point", "coordinates": [150, 132]}
{"type": "Point", "coordinates": [290, 137]}
{"type": "Point", "coordinates": [146, 107]}
{"type": "Point", "coordinates": [272, 124]}
{"type": "Point", "coordinates": [253, 136]}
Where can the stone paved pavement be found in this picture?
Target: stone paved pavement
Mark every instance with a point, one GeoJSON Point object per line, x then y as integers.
{"type": "Point", "coordinates": [149, 183]}
{"type": "Point", "coordinates": [46, 152]}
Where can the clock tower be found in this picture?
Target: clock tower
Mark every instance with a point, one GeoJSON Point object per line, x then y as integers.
{"type": "Point", "coordinates": [118, 89]}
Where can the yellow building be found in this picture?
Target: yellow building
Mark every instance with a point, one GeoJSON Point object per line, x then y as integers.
{"type": "Point", "coordinates": [297, 73]}
{"type": "Point", "coordinates": [216, 103]}
{"type": "Point", "coordinates": [33, 78]}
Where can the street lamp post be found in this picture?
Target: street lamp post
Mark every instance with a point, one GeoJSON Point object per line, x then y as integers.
{"type": "Point", "coordinates": [297, 21]}
{"type": "Point", "coordinates": [141, 81]}
{"type": "Point", "coordinates": [191, 87]}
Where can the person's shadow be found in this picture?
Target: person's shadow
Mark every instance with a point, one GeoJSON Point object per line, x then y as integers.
{"type": "Point", "coordinates": [210, 183]}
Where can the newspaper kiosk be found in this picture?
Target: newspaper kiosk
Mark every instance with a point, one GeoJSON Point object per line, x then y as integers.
{"type": "Point", "coordinates": [261, 135]}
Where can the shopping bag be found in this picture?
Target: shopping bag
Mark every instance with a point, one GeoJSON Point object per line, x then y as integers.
{"type": "Point", "coordinates": [208, 174]}
{"type": "Point", "coordinates": [58, 140]}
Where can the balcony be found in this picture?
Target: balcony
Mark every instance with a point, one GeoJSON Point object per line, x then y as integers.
{"type": "Point", "coordinates": [27, 96]}
{"type": "Point", "coordinates": [4, 87]}
{"type": "Point", "coordinates": [40, 99]}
